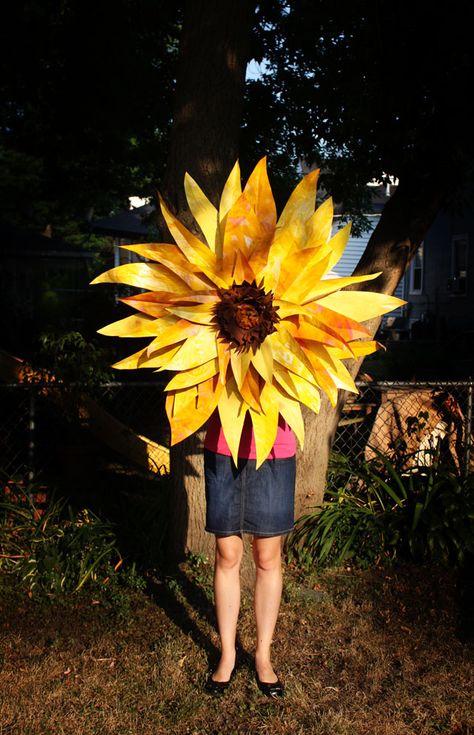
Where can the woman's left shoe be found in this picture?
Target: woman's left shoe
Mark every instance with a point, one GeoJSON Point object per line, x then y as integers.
{"type": "Point", "coordinates": [270, 689]}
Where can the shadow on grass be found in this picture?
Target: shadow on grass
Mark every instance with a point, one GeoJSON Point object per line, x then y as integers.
{"type": "Point", "coordinates": [179, 597]}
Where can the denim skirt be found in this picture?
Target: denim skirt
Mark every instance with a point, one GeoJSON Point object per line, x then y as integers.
{"type": "Point", "coordinates": [243, 499]}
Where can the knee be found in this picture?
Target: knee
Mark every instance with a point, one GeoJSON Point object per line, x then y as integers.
{"type": "Point", "coordinates": [229, 557]}
{"type": "Point", "coordinates": [267, 561]}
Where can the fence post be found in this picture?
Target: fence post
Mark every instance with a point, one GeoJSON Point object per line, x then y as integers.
{"type": "Point", "coordinates": [467, 443]}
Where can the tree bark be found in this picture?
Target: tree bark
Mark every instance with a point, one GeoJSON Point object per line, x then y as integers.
{"type": "Point", "coordinates": [213, 56]}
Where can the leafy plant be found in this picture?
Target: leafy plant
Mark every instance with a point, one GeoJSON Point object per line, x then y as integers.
{"type": "Point", "coordinates": [73, 359]}
{"type": "Point", "coordinates": [52, 550]}
{"type": "Point", "coordinates": [379, 512]}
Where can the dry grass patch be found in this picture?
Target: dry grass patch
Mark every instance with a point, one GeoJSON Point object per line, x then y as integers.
{"type": "Point", "coordinates": [374, 652]}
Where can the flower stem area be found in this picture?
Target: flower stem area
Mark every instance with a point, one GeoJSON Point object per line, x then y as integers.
{"type": "Point", "coordinates": [383, 651]}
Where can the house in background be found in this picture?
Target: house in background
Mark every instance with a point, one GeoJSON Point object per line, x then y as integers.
{"type": "Point", "coordinates": [438, 285]}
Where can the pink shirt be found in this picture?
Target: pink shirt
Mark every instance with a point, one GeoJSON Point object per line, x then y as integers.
{"type": "Point", "coordinates": [284, 446]}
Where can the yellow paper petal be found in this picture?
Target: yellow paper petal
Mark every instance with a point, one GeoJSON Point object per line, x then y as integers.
{"type": "Point", "coordinates": [305, 262]}
{"type": "Point", "coordinates": [265, 425]}
{"type": "Point", "coordinates": [263, 361]}
{"type": "Point", "coordinates": [161, 327]}
{"type": "Point", "coordinates": [322, 358]}
{"type": "Point", "coordinates": [290, 410]}
{"type": "Point", "coordinates": [338, 324]}
{"type": "Point", "coordinates": [132, 362]}
{"type": "Point", "coordinates": [203, 211]}
{"type": "Point", "coordinates": [141, 359]}
{"type": "Point", "coordinates": [172, 257]}
{"type": "Point", "coordinates": [258, 192]}
{"type": "Point", "coordinates": [327, 384]}
{"type": "Point", "coordinates": [250, 389]}
{"type": "Point", "coordinates": [321, 288]}
{"type": "Point", "coordinates": [144, 275]}
{"type": "Point", "coordinates": [304, 279]}
{"type": "Point", "coordinates": [298, 209]}
{"type": "Point", "coordinates": [279, 250]}
{"type": "Point", "coordinates": [243, 232]}
{"type": "Point", "coordinates": [196, 375]}
{"type": "Point", "coordinates": [195, 351]}
{"type": "Point", "coordinates": [342, 378]}
{"type": "Point", "coordinates": [360, 349]}
{"type": "Point", "coordinates": [242, 270]}
{"type": "Point", "coordinates": [288, 309]}
{"type": "Point", "coordinates": [194, 250]}
{"type": "Point", "coordinates": [185, 401]}
{"type": "Point", "coordinates": [169, 405]}
{"type": "Point", "coordinates": [177, 332]}
{"type": "Point", "coordinates": [232, 410]}
{"type": "Point", "coordinates": [240, 362]}
{"type": "Point", "coordinates": [306, 330]}
{"type": "Point", "coordinates": [337, 245]}
{"type": "Point", "coordinates": [360, 305]}
{"type": "Point", "coordinates": [288, 353]}
{"type": "Point", "coordinates": [183, 424]}
{"type": "Point", "coordinates": [198, 313]}
{"type": "Point", "coordinates": [223, 356]}
{"type": "Point", "coordinates": [147, 303]}
{"type": "Point", "coordinates": [318, 226]}
{"type": "Point", "coordinates": [231, 192]}
{"type": "Point", "coordinates": [298, 388]}
{"type": "Point", "coordinates": [137, 325]}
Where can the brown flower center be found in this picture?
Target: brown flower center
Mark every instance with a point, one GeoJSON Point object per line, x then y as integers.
{"type": "Point", "coordinates": [245, 315]}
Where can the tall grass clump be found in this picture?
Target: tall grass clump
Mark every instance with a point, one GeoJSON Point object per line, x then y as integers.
{"type": "Point", "coordinates": [389, 508]}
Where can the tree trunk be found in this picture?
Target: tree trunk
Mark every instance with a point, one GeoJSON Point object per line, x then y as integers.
{"type": "Point", "coordinates": [405, 220]}
{"type": "Point", "coordinates": [213, 57]}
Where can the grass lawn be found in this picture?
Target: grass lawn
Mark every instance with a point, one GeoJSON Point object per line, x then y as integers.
{"type": "Point", "coordinates": [374, 652]}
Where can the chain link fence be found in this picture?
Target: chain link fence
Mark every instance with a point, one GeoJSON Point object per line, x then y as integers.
{"type": "Point", "coordinates": [409, 419]}
{"type": "Point", "coordinates": [45, 431]}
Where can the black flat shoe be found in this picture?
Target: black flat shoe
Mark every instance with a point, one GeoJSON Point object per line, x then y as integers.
{"type": "Point", "coordinates": [218, 687]}
{"type": "Point", "coordinates": [270, 689]}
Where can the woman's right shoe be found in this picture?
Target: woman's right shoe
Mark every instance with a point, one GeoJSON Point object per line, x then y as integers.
{"type": "Point", "coordinates": [218, 687]}
{"type": "Point", "coordinates": [270, 689]}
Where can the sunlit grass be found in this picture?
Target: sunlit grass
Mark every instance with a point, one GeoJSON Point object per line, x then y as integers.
{"type": "Point", "coordinates": [368, 652]}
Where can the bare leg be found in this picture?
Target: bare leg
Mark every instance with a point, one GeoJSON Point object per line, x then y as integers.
{"type": "Point", "coordinates": [229, 550]}
{"type": "Point", "coordinates": [268, 586]}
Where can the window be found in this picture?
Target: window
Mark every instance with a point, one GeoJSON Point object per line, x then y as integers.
{"type": "Point", "coordinates": [416, 272]}
{"type": "Point", "coordinates": [457, 282]}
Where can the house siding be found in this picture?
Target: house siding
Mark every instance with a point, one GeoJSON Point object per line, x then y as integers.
{"type": "Point", "coordinates": [438, 302]}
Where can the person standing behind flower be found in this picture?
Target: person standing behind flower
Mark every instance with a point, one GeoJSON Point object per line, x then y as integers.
{"type": "Point", "coordinates": [242, 499]}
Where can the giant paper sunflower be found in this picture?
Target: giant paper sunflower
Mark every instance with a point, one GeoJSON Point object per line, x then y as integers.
{"type": "Point", "coordinates": [251, 320]}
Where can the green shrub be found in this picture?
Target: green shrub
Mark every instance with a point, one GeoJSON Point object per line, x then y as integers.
{"type": "Point", "coordinates": [52, 550]}
{"type": "Point", "coordinates": [379, 512]}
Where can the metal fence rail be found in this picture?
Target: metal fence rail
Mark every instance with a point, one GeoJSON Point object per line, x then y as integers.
{"type": "Point", "coordinates": [40, 425]}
